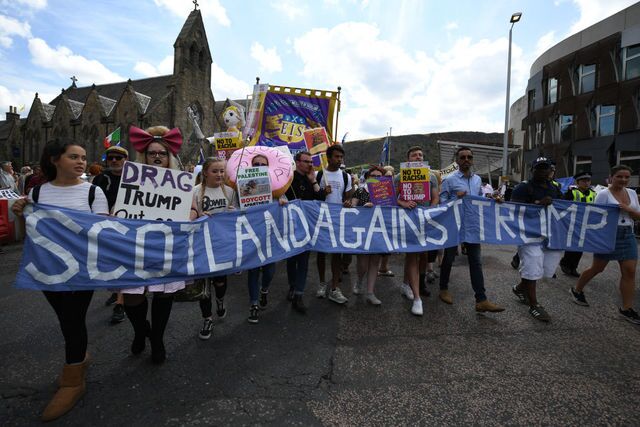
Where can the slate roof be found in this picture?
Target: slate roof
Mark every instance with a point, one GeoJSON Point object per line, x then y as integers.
{"type": "Point", "coordinates": [48, 110]}
{"type": "Point", "coordinates": [107, 104]}
{"type": "Point", "coordinates": [76, 108]}
{"type": "Point", "coordinates": [6, 126]}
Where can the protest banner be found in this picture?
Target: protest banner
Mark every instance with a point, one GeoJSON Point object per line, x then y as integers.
{"type": "Point", "coordinates": [316, 140]}
{"type": "Point", "coordinates": [254, 186]}
{"type": "Point", "coordinates": [72, 250]}
{"type": "Point", "coordinates": [320, 161]}
{"type": "Point", "coordinates": [287, 112]}
{"type": "Point", "coordinates": [448, 170]}
{"type": "Point", "coordinates": [414, 182]}
{"type": "Point", "coordinates": [155, 193]}
{"type": "Point", "coordinates": [226, 143]}
{"type": "Point", "coordinates": [9, 195]}
{"type": "Point", "coordinates": [381, 191]}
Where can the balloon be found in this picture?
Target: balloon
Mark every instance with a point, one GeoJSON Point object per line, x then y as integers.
{"type": "Point", "coordinates": [280, 167]}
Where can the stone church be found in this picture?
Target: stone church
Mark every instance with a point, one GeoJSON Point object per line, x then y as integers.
{"type": "Point", "coordinates": [88, 114]}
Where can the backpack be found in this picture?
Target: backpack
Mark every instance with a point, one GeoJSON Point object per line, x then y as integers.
{"type": "Point", "coordinates": [35, 194]}
{"type": "Point", "coordinates": [345, 178]}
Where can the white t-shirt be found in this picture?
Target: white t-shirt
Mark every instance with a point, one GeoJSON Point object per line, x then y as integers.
{"type": "Point", "coordinates": [214, 199]}
{"type": "Point", "coordinates": [336, 181]}
{"type": "Point", "coordinates": [72, 197]}
{"type": "Point", "coordinates": [606, 198]}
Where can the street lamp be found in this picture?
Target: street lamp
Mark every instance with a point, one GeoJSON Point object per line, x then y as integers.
{"type": "Point", "coordinates": [505, 142]}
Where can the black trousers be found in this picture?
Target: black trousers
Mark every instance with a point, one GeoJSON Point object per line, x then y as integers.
{"type": "Point", "coordinates": [571, 259]}
{"type": "Point", "coordinates": [71, 309]}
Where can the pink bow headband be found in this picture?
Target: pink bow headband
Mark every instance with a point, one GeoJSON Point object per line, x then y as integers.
{"type": "Point", "coordinates": [140, 139]}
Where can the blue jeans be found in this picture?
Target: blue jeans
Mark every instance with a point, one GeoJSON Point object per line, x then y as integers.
{"type": "Point", "coordinates": [268, 271]}
{"type": "Point", "coordinates": [475, 269]}
{"type": "Point", "coordinates": [297, 267]}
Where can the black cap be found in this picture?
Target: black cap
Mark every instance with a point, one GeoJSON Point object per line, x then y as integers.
{"type": "Point", "coordinates": [541, 161]}
{"type": "Point", "coordinates": [582, 175]}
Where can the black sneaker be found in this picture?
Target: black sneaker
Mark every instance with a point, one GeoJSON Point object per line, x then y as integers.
{"type": "Point", "coordinates": [118, 314]}
{"type": "Point", "coordinates": [263, 298]}
{"type": "Point", "coordinates": [111, 300]}
{"type": "Point", "coordinates": [298, 304]}
{"type": "Point", "coordinates": [253, 314]}
{"type": "Point", "coordinates": [539, 313]}
{"type": "Point", "coordinates": [630, 315]}
{"type": "Point", "coordinates": [515, 261]}
{"type": "Point", "coordinates": [578, 298]}
{"type": "Point", "coordinates": [290, 294]}
{"type": "Point", "coordinates": [521, 295]}
{"type": "Point", "coordinates": [424, 291]}
{"type": "Point", "coordinates": [220, 311]}
{"type": "Point", "coordinates": [207, 329]}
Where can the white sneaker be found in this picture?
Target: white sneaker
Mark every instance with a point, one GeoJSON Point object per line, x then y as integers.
{"type": "Point", "coordinates": [416, 309]}
{"type": "Point", "coordinates": [336, 296]}
{"type": "Point", "coordinates": [356, 289]}
{"type": "Point", "coordinates": [322, 290]}
{"type": "Point", "coordinates": [406, 291]}
{"type": "Point", "coordinates": [371, 299]}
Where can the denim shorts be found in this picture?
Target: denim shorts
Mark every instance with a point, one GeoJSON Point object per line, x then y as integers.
{"type": "Point", "coordinates": [626, 246]}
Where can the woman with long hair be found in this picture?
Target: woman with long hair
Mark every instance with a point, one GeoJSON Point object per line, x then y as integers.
{"type": "Point", "coordinates": [63, 163]}
{"type": "Point", "coordinates": [626, 250]}
{"type": "Point", "coordinates": [209, 197]}
{"type": "Point", "coordinates": [156, 146]}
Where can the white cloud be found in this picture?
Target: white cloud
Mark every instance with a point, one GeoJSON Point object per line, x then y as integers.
{"type": "Point", "coordinates": [224, 85]}
{"type": "Point", "coordinates": [451, 26]}
{"type": "Point", "coordinates": [211, 8]}
{"type": "Point", "coordinates": [268, 59]}
{"type": "Point", "coordinates": [289, 8]}
{"type": "Point", "coordinates": [384, 85]}
{"type": "Point", "coordinates": [592, 11]}
{"type": "Point", "coordinates": [20, 97]}
{"type": "Point", "coordinates": [63, 62]}
{"type": "Point", "coordinates": [33, 4]}
{"type": "Point", "coordinates": [148, 70]}
{"type": "Point", "coordinates": [12, 27]}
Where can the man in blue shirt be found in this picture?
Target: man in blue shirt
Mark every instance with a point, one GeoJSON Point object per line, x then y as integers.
{"type": "Point", "coordinates": [457, 185]}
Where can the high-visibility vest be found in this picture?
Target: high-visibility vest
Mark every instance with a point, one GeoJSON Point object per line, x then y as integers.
{"type": "Point", "coordinates": [579, 196]}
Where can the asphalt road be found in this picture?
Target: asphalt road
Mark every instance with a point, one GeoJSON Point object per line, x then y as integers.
{"type": "Point", "coordinates": [352, 365]}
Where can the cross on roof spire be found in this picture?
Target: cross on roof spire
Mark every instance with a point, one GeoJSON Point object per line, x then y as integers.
{"type": "Point", "coordinates": [74, 80]}
{"type": "Point", "coordinates": [195, 4]}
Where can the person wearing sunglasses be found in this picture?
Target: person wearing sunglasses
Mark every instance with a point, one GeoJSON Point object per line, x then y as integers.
{"type": "Point", "coordinates": [461, 183]}
{"type": "Point", "coordinates": [109, 182]}
{"type": "Point", "coordinates": [304, 186]}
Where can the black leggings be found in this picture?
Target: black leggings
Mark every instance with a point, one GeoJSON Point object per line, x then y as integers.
{"type": "Point", "coordinates": [71, 309]}
{"type": "Point", "coordinates": [219, 285]}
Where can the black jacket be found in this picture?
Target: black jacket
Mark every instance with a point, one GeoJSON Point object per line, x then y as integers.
{"type": "Point", "coordinates": [302, 189]}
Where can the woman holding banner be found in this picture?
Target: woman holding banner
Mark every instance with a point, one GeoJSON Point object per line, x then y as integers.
{"type": "Point", "coordinates": [368, 265]}
{"type": "Point", "coordinates": [157, 146]}
{"type": "Point", "coordinates": [209, 197]}
{"type": "Point", "coordinates": [626, 250]}
{"type": "Point", "coordinates": [63, 163]}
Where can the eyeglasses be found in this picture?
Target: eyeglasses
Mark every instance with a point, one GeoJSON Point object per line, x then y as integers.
{"type": "Point", "coordinates": [309, 162]}
{"type": "Point", "coordinates": [375, 176]}
{"type": "Point", "coordinates": [115, 158]}
{"type": "Point", "coordinates": [465, 157]}
{"type": "Point", "coordinates": [259, 164]}
{"type": "Point", "coordinates": [157, 153]}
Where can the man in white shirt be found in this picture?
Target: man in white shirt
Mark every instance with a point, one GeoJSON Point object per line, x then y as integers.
{"type": "Point", "coordinates": [7, 181]}
{"type": "Point", "coordinates": [338, 189]}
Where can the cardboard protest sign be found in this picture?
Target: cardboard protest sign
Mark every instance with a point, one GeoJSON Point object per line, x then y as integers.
{"type": "Point", "coordinates": [254, 186]}
{"type": "Point", "coordinates": [9, 195]}
{"type": "Point", "coordinates": [226, 142]}
{"type": "Point", "coordinates": [414, 181]}
{"type": "Point", "coordinates": [317, 140]}
{"type": "Point", "coordinates": [448, 170]}
{"type": "Point", "coordinates": [381, 191]}
{"type": "Point", "coordinates": [320, 161]}
{"type": "Point", "coordinates": [152, 192]}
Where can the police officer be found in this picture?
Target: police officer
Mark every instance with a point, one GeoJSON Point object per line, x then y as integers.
{"type": "Point", "coordinates": [582, 192]}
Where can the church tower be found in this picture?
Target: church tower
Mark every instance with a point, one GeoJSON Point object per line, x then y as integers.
{"type": "Point", "coordinates": [191, 50]}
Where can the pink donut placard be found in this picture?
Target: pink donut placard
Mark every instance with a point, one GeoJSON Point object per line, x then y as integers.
{"type": "Point", "coordinates": [280, 167]}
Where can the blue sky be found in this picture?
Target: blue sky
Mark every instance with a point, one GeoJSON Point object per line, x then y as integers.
{"type": "Point", "coordinates": [416, 66]}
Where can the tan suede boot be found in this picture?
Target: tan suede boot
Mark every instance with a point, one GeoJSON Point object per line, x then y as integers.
{"type": "Point", "coordinates": [72, 388]}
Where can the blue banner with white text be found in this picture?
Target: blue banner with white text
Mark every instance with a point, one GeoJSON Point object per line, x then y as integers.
{"type": "Point", "coordinates": [71, 250]}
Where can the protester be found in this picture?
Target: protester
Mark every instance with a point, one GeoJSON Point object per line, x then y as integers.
{"type": "Point", "coordinates": [368, 264]}
{"type": "Point", "coordinates": [384, 259]}
{"type": "Point", "coordinates": [411, 290]}
{"type": "Point", "coordinates": [626, 249]}
{"type": "Point", "coordinates": [109, 182]}
{"type": "Point", "coordinates": [157, 146]}
{"type": "Point", "coordinates": [94, 170]}
{"type": "Point", "coordinates": [536, 260]}
{"type": "Point", "coordinates": [337, 186]}
{"type": "Point", "coordinates": [585, 194]}
{"type": "Point", "coordinates": [63, 162]}
{"type": "Point", "coordinates": [210, 197]}
{"type": "Point", "coordinates": [304, 186]}
{"type": "Point", "coordinates": [487, 189]}
{"type": "Point", "coordinates": [25, 173]}
{"type": "Point", "coordinates": [461, 183]}
{"type": "Point", "coordinates": [7, 180]}
{"type": "Point", "coordinates": [259, 289]}
{"type": "Point", "coordinates": [36, 178]}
